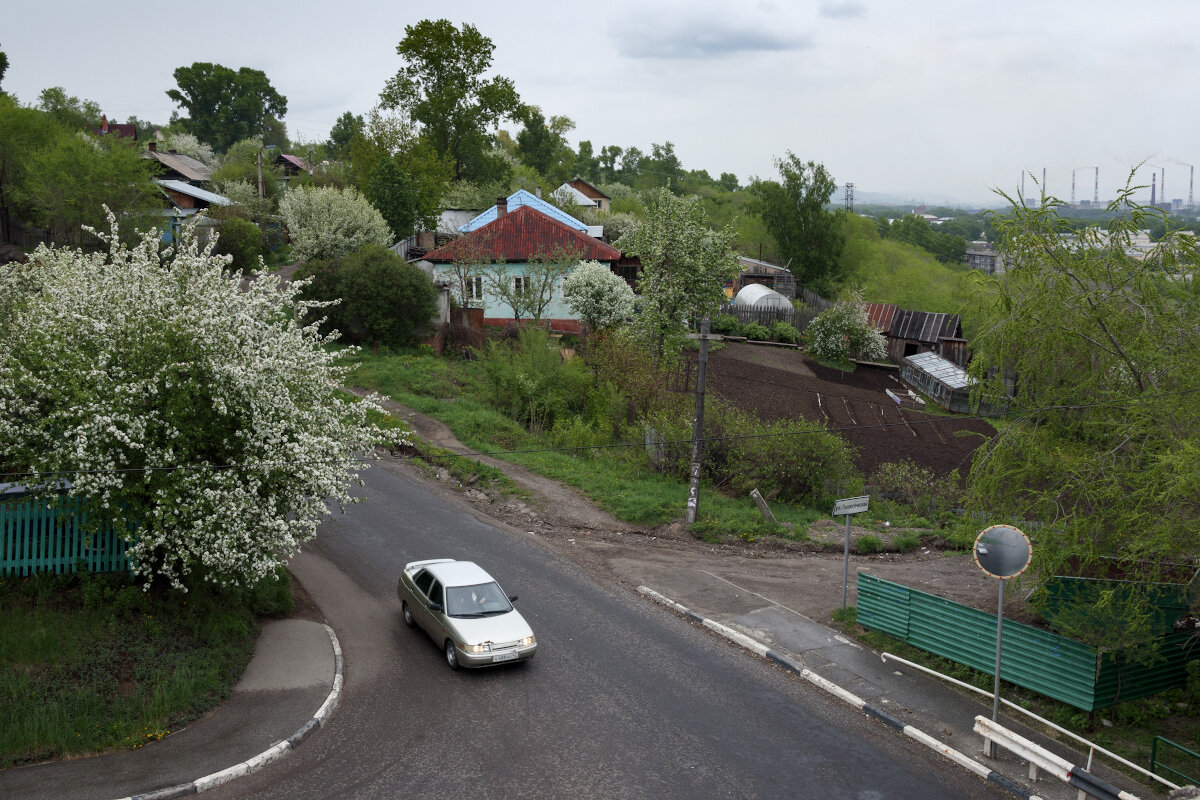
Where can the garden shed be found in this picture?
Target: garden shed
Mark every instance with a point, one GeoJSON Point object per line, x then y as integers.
{"type": "Point", "coordinates": [759, 297]}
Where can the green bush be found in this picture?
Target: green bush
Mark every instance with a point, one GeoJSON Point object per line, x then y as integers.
{"type": "Point", "coordinates": [794, 458]}
{"type": "Point", "coordinates": [531, 383]}
{"type": "Point", "coordinates": [907, 542]}
{"type": "Point", "coordinates": [865, 545]}
{"type": "Point", "coordinates": [785, 332]}
{"type": "Point", "coordinates": [384, 300]}
{"type": "Point", "coordinates": [756, 332]}
{"type": "Point", "coordinates": [241, 239]}
{"type": "Point", "coordinates": [726, 325]}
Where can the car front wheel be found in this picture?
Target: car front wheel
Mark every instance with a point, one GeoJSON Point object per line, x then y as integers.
{"type": "Point", "coordinates": [451, 655]}
{"type": "Point", "coordinates": [408, 617]}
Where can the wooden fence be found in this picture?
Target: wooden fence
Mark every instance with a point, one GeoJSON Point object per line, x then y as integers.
{"type": "Point", "coordinates": [36, 538]}
{"type": "Point", "coordinates": [800, 319]}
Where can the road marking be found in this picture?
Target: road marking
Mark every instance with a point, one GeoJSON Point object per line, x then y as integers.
{"type": "Point", "coordinates": [756, 594]}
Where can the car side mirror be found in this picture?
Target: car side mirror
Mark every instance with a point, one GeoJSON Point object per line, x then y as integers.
{"type": "Point", "coordinates": [436, 607]}
{"type": "Point", "coordinates": [512, 598]}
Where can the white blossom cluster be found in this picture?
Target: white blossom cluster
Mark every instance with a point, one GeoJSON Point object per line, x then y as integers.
{"type": "Point", "coordinates": [844, 330]}
{"type": "Point", "coordinates": [191, 412]}
{"type": "Point", "coordinates": [600, 297]}
{"type": "Point", "coordinates": [327, 222]}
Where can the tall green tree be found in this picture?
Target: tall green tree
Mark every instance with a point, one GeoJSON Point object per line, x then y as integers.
{"type": "Point", "coordinates": [69, 182]}
{"type": "Point", "coordinates": [69, 111]}
{"type": "Point", "coordinates": [685, 266]}
{"type": "Point", "coordinates": [587, 164]}
{"type": "Point", "coordinates": [3, 68]}
{"type": "Point", "coordinates": [23, 131]}
{"type": "Point", "coordinates": [1103, 452]}
{"type": "Point", "coordinates": [536, 145]}
{"type": "Point", "coordinates": [795, 212]}
{"type": "Point", "coordinates": [342, 134]}
{"type": "Point", "coordinates": [442, 83]}
{"type": "Point", "coordinates": [394, 196]}
{"type": "Point", "coordinates": [225, 106]}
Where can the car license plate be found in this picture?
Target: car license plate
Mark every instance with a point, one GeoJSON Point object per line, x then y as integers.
{"type": "Point", "coordinates": [504, 657]}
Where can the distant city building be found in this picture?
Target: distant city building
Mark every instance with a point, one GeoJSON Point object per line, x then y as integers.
{"type": "Point", "coordinates": [985, 257]}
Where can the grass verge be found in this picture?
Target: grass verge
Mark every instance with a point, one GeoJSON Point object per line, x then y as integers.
{"type": "Point", "coordinates": [90, 664]}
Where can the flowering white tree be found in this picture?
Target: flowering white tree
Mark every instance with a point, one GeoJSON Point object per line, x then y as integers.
{"type": "Point", "coordinates": [844, 330]}
{"type": "Point", "coordinates": [199, 418]}
{"type": "Point", "coordinates": [327, 222]}
{"type": "Point", "coordinates": [601, 298]}
{"type": "Point", "coordinates": [685, 265]}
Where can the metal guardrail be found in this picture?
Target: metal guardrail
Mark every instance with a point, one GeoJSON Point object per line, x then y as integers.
{"type": "Point", "coordinates": [1154, 763]}
{"type": "Point", "coordinates": [1041, 758]}
{"type": "Point", "coordinates": [1093, 748]}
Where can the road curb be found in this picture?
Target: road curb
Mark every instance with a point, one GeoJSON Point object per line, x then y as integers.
{"type": "Point", "coordinates": [760, 649]}
{"type": "Point", "coordinates": [273, 753]}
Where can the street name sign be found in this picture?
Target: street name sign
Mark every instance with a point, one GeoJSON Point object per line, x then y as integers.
{"type": "Point", "coordinates": [851, 505]}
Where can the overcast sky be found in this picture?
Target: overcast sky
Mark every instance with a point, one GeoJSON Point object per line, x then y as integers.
{"type": "Point", "coordinates": [930, 100]}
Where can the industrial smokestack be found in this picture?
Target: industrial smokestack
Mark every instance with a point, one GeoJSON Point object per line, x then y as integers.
{"type": "Point", "coordinates": [1153, 181]}
{"type": "Point", "coordinates": [1096, 188]}
{"type": "Point", "coordinates": [1191, 182]}
{"type": "Point", "coordinates": [1072, 187]}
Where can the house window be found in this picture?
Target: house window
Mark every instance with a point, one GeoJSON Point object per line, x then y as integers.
{"type": "Point", "coordinates": [522, 284]}
{"type": "Point", "coordinates": [475, 287]}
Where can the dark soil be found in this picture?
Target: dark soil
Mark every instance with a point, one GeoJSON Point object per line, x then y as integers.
{"type": "Point", "coordinates": [782, 383]}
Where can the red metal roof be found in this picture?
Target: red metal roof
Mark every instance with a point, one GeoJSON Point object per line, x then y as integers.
{"type": "Point", "coordinates": [880, 315]}
{"type": "Point", "coordinates": [521, 235]}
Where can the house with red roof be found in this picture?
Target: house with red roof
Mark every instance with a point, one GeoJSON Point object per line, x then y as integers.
{"type": "Point", "coordinates": [511, 246]}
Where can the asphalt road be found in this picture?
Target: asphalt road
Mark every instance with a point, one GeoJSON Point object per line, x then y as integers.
{"type": "Point", "coordinates": [623, 700]}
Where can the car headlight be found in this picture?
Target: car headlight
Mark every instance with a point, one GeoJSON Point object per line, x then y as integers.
{"type": "Point", "coordinates": [528, 640]}
{"type": "Point", "coordinates": [478, 648]}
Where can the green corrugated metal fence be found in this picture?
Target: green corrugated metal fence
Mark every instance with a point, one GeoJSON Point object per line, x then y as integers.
{"type": "Point", "coordinates": [35, 538]}
{"type": "Point", "coordinates": [1044, 662]}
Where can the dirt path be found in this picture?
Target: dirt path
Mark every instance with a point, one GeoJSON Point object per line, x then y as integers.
{"type": "Point", "coordinates": [804, 576]}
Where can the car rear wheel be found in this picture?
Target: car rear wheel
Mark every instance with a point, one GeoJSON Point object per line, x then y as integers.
{"type": "Point", "coordinates": [408, 617]}
{"type": "Point", "coordinates": [451, 655]}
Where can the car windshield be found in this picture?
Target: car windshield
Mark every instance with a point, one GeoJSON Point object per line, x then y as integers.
{"type": "Point", "coordinates": [481, 600]}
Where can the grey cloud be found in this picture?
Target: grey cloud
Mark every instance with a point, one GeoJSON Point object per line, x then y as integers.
{"type": "Point", "coordinates": [842, 10]}
{"type": "Point", "coordinates": [695, 39]}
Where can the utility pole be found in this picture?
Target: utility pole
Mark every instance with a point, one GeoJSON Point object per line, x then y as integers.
{"type": "Point", "coordinates": [698, 423]}
{"type": "Point", "coordinates": [260, 186]}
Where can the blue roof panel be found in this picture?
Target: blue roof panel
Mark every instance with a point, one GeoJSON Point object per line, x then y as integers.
{"type": "Point", "coordinates": [523, 198]}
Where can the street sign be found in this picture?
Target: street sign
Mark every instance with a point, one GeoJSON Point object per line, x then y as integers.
{"type": "Point", "coordinates": [845, 507]}
{"type": "Point", "coordinates": [1002, 551]}
{"type": "Point", "coordinates": [851, 505]}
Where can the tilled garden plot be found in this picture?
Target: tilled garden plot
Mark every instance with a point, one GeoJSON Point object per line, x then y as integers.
{"type": "Point", "coordinates": [782, 384]}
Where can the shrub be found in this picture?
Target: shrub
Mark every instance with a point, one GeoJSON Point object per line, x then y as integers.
{"type": "Point", "coordinates": [907, 542]}
{"type": "Point", "coordinates": [796, 459]}
{"type": "Point", "coordinates": [727, 325]}
{"type": "Point", "coordinates": [843, 331]}
{"type": "Point", "coordinates": [920, 486]}
{"type": "Point", "coordinates": [531, 382]}
{"type": "Point", "coordinates": [865, 545]}
{"type": "Point", "coordinates": [601, 298]}
{"type": "Point", "coordinates": [756, 332]}
{"type": "Point", "coordinates": [241, 239]}
{"type": "Point", "coordinates": [383, 298]}
{"type": "Point", "coordinates": [785, 332]}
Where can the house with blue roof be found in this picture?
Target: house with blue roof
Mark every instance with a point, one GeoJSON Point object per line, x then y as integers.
{"type": "Point", "coordinates": [521, 198]}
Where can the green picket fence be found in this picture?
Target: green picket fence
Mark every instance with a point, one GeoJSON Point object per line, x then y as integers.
{"type": "Point", "coordinates": [1033, 658]}
{"type": "Point", "coordinates": [36, 538]}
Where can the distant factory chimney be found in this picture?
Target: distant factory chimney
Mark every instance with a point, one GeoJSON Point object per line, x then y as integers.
{"type": "Point", "coordinates": [1096, 188]}
{"type": "Point", "coordinates": [1072, 188]}
{"type": "Point", "coordinates": [1153, 181]}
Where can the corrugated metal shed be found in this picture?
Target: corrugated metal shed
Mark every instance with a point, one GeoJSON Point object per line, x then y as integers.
{"type": "Point", "coordinates": [926, 327]}
{"type": "Point", "coordinates": [522, 199]}
{"type": "Point", "coordinates": [880, 315]}
{"type": "Point", "coordinates": [522, 235]}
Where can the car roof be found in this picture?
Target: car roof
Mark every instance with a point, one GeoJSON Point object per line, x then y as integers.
{"type": "Point", "coordinates": [459, 573]}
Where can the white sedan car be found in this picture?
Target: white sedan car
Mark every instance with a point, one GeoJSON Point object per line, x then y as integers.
{"type": "Point", "coordinates": [466, 612]}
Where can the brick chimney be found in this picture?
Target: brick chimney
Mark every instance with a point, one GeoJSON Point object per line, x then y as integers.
{"type": "Point", "coordinates": [501, 206]}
